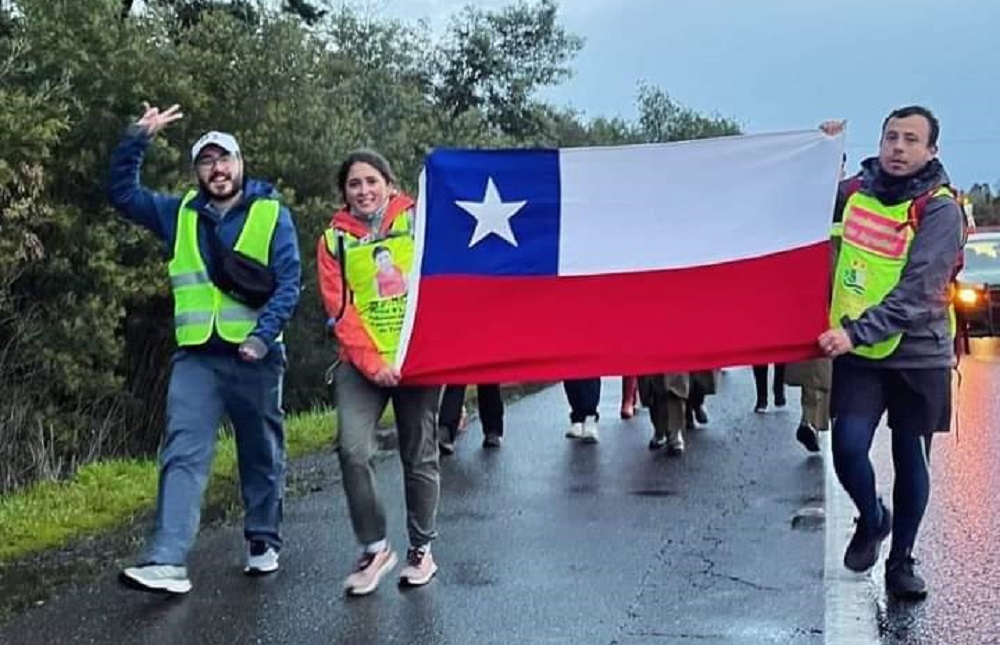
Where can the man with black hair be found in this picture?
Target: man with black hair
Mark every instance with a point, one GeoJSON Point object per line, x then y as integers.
{"type": "Point", "coordinates": [228, 324]}
{"type": "Point", "coordinates": [892, 334]}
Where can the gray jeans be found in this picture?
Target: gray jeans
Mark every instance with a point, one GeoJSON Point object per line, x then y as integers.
{"type": "Point", "coordinates": [360, 406]}
{"type": "Point", "coordinates": [203, 388]}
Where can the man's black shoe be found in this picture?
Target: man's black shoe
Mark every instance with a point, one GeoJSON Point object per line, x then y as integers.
{"type": "Point", "coordinates": [902, 582]}
{"type": "Point", "coordinates": [863, 550]}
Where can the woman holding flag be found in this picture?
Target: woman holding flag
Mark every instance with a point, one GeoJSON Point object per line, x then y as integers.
{"type": "Point", "coordinates": [376, 224]}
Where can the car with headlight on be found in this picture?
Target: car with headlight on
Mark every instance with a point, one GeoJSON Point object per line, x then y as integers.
{"type": "Point", "coordinates": [977, 288]}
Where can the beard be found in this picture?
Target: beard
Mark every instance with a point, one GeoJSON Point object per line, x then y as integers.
{"type": "Point", "coordinates": [235, 185]}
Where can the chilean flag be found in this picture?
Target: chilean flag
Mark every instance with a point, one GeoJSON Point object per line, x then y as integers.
{"type": "Point", "coordinates": [542, 264]}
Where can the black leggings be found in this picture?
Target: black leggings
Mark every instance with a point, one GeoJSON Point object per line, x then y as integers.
{"type": "Point", "coordinates": [760, 379]}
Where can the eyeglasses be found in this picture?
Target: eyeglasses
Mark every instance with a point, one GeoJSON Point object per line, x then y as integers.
{"type": "Point", "coordinates": [205, 163]}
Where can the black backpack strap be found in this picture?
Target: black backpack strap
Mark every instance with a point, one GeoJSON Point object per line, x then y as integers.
{"type": "Point", "coordinates": [343, 274]}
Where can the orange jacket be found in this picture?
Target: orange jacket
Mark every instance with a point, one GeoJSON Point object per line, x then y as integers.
{"type": "Point", "coordinates": [356, 346]}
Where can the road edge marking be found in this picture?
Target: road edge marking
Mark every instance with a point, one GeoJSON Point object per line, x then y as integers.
{"type": "Point", "coordinates": [849, 604]}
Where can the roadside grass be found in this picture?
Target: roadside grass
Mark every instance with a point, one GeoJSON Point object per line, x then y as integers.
{"type": "Point", "coordinates": [105, 495]}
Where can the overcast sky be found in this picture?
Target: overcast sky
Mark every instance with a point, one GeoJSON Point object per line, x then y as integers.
{"type": "Point", "coordinates": [789, 64]}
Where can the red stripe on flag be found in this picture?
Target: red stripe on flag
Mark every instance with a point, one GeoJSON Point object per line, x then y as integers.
{"type": "Point", "coordinates": [471, 329]}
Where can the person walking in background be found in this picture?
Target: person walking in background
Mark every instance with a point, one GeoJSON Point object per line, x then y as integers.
{"type": "Point", "coordinates": [666, 397]}
{"type": "Point", "coordinates": [630, 396]}
{"type": "Point", "coordinates": [490, 403]}
{"type": "Point", "coordinates": [702, 384]}
{"type": "Point", "coordinates": [778, 386]}
{"type": "Point", "coordinates": [584, 396]}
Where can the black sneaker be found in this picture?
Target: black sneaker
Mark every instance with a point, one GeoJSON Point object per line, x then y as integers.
{"type": "Point", "coordinates": [446, 447]}
{"type": "Point", "coordinates": [657, 442]}
{"type": "Point", "coordinates": [863, 550]}
{"type": "Point", "coordinates": [492, 441]}
{"type": "Point", "coordinates": [700, 415]}
{"type": "Point", "coordinates": [902, 582]}
{"type": "Point", "coordinates": [761, 406]}
{"type": "Point", "coordinates": [779, 401]}
{"type": "Point", "coordinates": [808, 437]}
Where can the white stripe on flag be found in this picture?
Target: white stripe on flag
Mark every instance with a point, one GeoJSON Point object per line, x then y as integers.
{"type": "Point", "coordinates": [413, 280]}
{"type": "Point", "coordinates": [694, 203]}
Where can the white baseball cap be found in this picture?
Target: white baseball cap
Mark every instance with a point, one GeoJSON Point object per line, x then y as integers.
{"type": "Point", "coordinates": [223, 140]}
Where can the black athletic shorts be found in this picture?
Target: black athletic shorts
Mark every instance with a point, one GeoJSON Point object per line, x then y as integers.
{"type": "Point", "coordinates": [918, 400]}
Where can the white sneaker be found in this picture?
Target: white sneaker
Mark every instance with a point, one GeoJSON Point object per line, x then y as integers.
{"type": "Point", "coordinates": [161, 578]}
{"type": "Point", "coordinates": [590, 434]}
{"type": "Point", "coordinates": [575, 431]}
{"type": "Point", "coordinates": [261, 558]}
{"type": "Point", "coordinates": [675, 446]}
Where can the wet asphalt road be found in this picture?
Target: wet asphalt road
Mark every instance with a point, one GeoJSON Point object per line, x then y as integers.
{"type": "Point", "coordinates": [542, 541]}
{"type": "Point", "coordinates": [958, 548]}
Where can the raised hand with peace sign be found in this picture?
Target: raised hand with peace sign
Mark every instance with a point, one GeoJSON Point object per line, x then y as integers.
{"type": "Point", "coordinates": [153, 120]}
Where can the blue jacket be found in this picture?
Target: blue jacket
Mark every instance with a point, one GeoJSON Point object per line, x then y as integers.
{"type": "Point", "coordinates": [158, 213]}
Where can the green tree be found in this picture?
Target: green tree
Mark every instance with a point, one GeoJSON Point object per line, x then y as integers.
{"type": "Point", "coordinates": [495, 61]}
{"type": "Point", "coordinates": [33, 118]}
{"type": "Point", "coordinates": [191, 12]}
{"type": "Point", "coordinates": [661, 119]}
{"type": "Point", "coordinates": [85, 308]}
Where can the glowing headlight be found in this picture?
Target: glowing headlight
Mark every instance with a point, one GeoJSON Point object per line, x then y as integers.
{"type": "Point", "coordinates": [967, 296]}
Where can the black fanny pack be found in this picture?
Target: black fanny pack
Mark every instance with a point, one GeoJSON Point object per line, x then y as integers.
{"type": "Point", "coordinates": [241, 277]}
{"type": "Point", "coordinates": [244, 279]}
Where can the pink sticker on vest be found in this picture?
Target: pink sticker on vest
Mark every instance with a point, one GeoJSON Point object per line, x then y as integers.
{"type": "Point", "coordinates": [876, 233]}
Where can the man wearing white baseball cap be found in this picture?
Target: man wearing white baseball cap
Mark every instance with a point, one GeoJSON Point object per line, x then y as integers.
{"type": "Point", "coordinates": [223, 140]}
{"type": "Point", "coordinates": [235, 272]}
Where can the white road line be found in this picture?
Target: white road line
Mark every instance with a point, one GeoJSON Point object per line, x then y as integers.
{"type": "Point", "coordinates": [851, 598]}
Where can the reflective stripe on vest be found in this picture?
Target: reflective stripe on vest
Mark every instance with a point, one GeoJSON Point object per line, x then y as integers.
{"type": "Point", "coordinates": [875, 245]}
{"type": "Point", "coordinates": [377, 273]}
{"type": "Point", "coordinates": [199, 306]}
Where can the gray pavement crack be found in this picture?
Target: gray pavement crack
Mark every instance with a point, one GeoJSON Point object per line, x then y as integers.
{"type": "Point", "coordinates": [709, 571]}
{"type": "Point", "coordinates": [632, 612]}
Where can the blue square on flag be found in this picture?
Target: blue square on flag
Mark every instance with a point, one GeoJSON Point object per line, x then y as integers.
{"type": "Point", "coordinates": [492, 212]}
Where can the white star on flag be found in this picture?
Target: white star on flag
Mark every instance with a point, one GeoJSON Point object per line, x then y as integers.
{"type": "Point", "coordinates": [492, 215]}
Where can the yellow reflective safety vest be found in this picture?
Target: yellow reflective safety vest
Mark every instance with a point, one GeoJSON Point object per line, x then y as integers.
{"type": "Point", "coordinates": [200, 306]}
{"type": "Point", "coordinates": [875, 245]}
{"type": "Point", "coordinates": [376, 269]}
